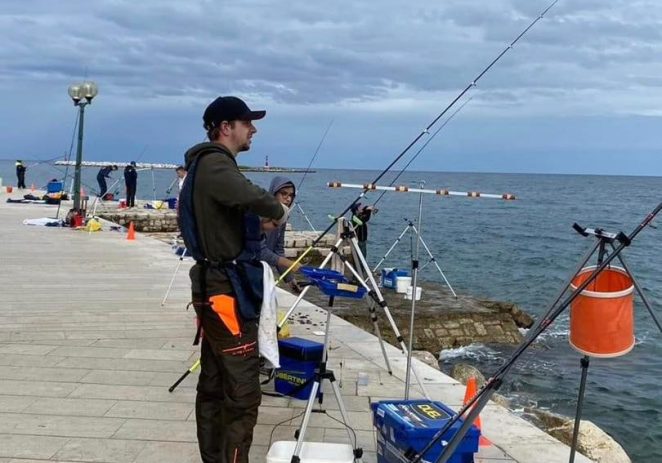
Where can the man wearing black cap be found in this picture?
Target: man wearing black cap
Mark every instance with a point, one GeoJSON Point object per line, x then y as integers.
{"type": "Point", "coordinates": [131, 183]}
{"type": "Point", "coordinates": [219, 195]}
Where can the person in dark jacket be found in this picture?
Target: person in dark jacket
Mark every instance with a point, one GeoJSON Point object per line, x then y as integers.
{"type": "Point", "coordinates": [103, 174]}
{"type": "Point", "coordinates": [228, 392]}
{"type": "Point", "coordinates": [131, 182]}
{"type": "Point", "coordinates": [20, 174]}
{"type": "Point", "coordinates": [360, 217]}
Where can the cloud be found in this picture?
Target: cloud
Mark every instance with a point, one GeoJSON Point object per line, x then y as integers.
{"type": "Point", "coordinates": [387, 57]}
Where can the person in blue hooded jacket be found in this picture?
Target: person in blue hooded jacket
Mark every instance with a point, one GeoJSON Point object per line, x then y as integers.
{"type": "Point", "coordinates": [273, 250]}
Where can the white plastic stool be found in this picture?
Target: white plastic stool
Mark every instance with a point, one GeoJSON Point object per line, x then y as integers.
{"type": "Point", "coordinates": [311, 452]}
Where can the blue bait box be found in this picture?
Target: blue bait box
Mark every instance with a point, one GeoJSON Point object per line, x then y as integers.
{"type": "Point", "coordinates": [405, 427]}
{"type": "Point", "coordinates": [389, 277]}
{"type": "Point", "coordinates": [298, 360]}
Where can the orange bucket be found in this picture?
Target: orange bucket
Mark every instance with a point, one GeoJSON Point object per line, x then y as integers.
{"type": "Point", "coordinates": [601, 317]}
{"type": "Point", "coordinates": [10, 188]}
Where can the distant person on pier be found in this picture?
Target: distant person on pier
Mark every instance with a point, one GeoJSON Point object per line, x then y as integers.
{"type": "Point", "coordinates": [131, 182]}
{"type": "Point", "coordinates": [181, 175]}
{"type": "Point", "coordinates": [20, 174]}
{"type": "Point", "coordinates": [360, 217]}
{"type": "Point", "coordinates": [103, 174]}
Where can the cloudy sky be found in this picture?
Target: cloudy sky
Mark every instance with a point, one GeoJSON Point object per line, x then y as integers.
{"type": "Point", "coordinates": [580, 93]}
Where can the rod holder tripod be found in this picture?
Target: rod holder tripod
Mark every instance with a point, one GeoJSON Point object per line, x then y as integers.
{"type": "Point", "coordinates": [474, 406]}
{"type": "Point", "coordinates": [322, 373]}
{"type": "Point", "coordinates": [348, 236]}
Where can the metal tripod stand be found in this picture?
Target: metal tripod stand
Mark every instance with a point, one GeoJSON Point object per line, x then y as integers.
{"type": "Point", "coordinates": [410, 227]}
{"type": "Point", "coordinates": [348, 237]}
{"type": "Point", "coordinates": [321, 374]}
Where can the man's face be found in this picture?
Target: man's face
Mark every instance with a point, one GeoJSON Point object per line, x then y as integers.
{"type": "Point", "coordinates": [286, 195]}
{"type": "Point", "coordinates": [181, 173]}
{"type": "Point", "coordinates": [240, 135]}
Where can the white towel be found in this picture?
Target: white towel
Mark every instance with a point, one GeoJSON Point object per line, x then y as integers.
{"type": "Point", "coordinates": [267, 335]}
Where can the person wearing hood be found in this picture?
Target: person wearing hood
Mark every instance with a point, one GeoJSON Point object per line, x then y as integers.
{"type": "Point", "coordinates": [220, 197]}
{"type": "Point", "coordinates": [273, 252]}
{"type": "Point", "coordinates": [131, 183]}
{"type": "Point", "coordinates": [20, 174]}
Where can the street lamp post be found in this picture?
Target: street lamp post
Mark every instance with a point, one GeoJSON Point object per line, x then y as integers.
{"type": "Point", "coordinates": [82, 95]}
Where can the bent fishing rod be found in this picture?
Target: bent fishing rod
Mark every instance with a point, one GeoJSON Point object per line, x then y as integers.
{"type": "Point", "coordinates": [425, 131]}
{"type": "Point", "coordinates": [427, 142]}
{"type": "Point", "coordinates": [473, 407]}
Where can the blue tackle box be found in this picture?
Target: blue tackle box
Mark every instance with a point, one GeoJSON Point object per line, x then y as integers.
{"type": "Point", "coordinates": [390, 275]}
{"type": "Point", "coordinates": [405, 427]}
{"type": "Point", "coordinates": [298, 360]}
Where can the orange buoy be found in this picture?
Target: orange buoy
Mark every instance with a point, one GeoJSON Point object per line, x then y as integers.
{"type": "Point", "coordinates": [601, 317]}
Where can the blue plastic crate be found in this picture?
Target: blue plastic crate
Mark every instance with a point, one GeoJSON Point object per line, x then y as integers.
{"type": "Point", "coordinates": [405, 426]}
{"type": "Point", "coordinates": [54, 187]}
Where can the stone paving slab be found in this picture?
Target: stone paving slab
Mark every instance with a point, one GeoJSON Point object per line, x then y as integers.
{"type": "Point", "coordinates": [87, 353]}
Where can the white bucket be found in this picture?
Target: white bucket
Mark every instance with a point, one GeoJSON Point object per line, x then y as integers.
{"type": "Point", "coordinates": [401, 284]}
{"type": "Point", "coordinates": [311, 452]}
{"type": "Point", "coordinates": [419, 291]}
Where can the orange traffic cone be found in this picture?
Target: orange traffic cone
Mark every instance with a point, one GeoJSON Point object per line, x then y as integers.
{"type": "Point", "coordinates": [469, 394]}
{"type": "Point", "coordinates": [132, 232]}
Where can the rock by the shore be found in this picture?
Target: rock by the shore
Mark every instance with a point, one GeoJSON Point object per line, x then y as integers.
{"type": "Point", "coordinates": [442, 321]}
{"type": "Point", "coordinates": [592, 441]}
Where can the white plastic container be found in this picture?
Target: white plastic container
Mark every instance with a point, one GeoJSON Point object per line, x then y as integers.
{"type": "Point", "coordinates": [419, 291]}
{"type": "Point", "coordinates": [311, 452]}
{"type": "Point", "coordinates": [401, 284]}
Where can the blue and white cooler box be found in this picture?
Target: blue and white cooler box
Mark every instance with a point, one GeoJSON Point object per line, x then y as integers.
{"type": "Point", "coordinates": [298, 360]}
{"type": "Point", "coordinates": [390, 275]}
{"type": "Point", "coordinates": [407, 426]}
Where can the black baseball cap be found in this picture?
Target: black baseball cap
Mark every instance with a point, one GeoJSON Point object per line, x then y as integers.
{"type": "Point", "coordinates": [229, 108]}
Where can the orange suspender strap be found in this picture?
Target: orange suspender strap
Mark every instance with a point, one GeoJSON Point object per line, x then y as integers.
{"type": "Point", "coordinates": [226, 308]}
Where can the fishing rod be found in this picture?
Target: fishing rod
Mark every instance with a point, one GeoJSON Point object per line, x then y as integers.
{"type": "Point", "coordinates": [298, 188]}
{"type": "Point", "coordinates": [425, 131]}
{"type": "Point", "coordinates": [427, 142]}
{"type": "Point", "coordinates": [315, 154]}
{"type": "Point", "coordinates": [473, 407]}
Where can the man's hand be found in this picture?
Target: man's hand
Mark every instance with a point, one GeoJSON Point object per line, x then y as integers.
{"type": "Point", "coordinates": [294, 286]}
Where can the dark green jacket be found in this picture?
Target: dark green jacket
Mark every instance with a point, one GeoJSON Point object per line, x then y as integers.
{"type": "Point", "coordinates": [221, 196]}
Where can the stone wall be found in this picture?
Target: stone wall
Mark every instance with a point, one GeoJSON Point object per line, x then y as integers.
{"type": "Point", "coordinates": [442, 321]}
{"type": "Point", "coordinates": [144, 220]}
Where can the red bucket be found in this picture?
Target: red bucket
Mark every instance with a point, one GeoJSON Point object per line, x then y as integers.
{"type": "Point", "coordinates": [10, 188]}
{"type": "Point", "coordinates": [602, 316]}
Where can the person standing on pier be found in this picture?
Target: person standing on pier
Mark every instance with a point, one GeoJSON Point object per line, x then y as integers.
{"type": "Point", "coordinates": [131, 182]}
{"type": "Point", "coordinates": [103, 174]}
{"type": "Point", "coordinates": [181, 175]}
{"type": "Point", "coordinates": [20, 174]}
{"type": "Point", "coordinates": [213, 203]}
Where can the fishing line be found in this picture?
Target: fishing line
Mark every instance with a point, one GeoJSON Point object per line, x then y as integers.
{"type": "Point", "coordinates": [416, 139]}
{"type": "Point", "coordinates": [422, 148]}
